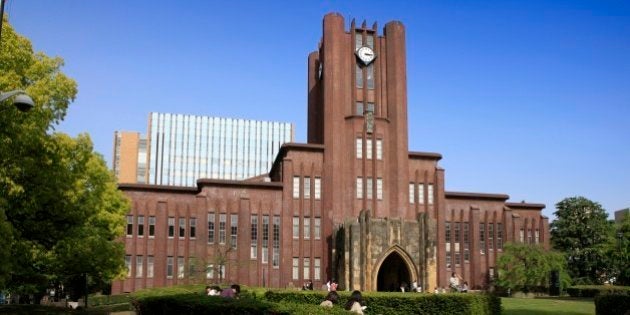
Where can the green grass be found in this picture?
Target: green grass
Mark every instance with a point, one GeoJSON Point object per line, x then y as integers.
{"type": "Point", "coordinates": [547, 306]}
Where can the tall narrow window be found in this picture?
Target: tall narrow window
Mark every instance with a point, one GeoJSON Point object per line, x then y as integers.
{"type": "Point", "coordinates": [368, 149]}
{"type": "Point", "coordinates": [151, 226]}
{"type": "Point", "coordinates": [296, 268]}
{"type": "Point", "coordinates": [359, 188]}
{"type": "Point", "coordinates": [182, 227]}
{"type": "Point", "coordinates": [379, 149]}
{"type": "Point", "coordinates": [317, 227]}
{"type": "Point", "coordinates": [421, 193]}
{"type": "Point", "coordinates": [139, 265]}
{"type": "Point", "coordinates": [307, 268]}
{"type": "Point", "coordinates": [456, 229]}
{"type": "Point", "coordinates": [307, 187]}
{"type": "Point", "coordinates": [169, 267]}
{"type": "Point", "coordinates": [318, 188]}
{"type": "Point", "coordinates": [150, 266]}
{"type": "Point", "coordinates": [449, 260]}
{"type": "Point", "coordinates": [379, 188]}
{"type": "Point", "coordinates": [180, 267]}
{"type": "Point", "coordinates": [359, 107]}
{"type": "Point", "coordinates": [296, 227]}
{"type": "Point", "coordinates": [129, 225]}
{"type": "Point", "coordinates": [359, 78]}
{"type": "Point", "coordinates": [369, 188]}
{"type": "Point", "coordinates": [317, 267]}
{"type": "Point", "coordinates": [193, 227]}
{"type": "Point", "coordinates": [141, 226]}
{"type": "Point", "coordinates": [265, 239]}
{"type": "Point", "coordinates": [370, 41]}
{"type": "Point", "coordinates": [128, 265]}
{"type": "Point", "coordinates": [275, 257]}
{"type": "Point", "coordinates": [222, 219]}
{"type": "Point", "coordinates": [482, 238]}
{"type": "Point", "coordinates": [233, 230]}
{"type": "Point", "coordinates": [171, 227]}
{"type": "Point", "coordinates": [499, 236]}
{"type": "Point", "coordinates": [210, 271]}
{"type": "Point", "coordinates": [412, 196]}
{"type": "Point", "coordinates": [430, 194]}
{"type": "Point", "coordinates": [466, 242]}
{"type": "Point", "coordinates": [370, 76]}
{"type": "Point", "coordinates": [530, 240]}
{"type": "Point", "coordinates": [254, 231]}
{"type": "Point", "coordinates": [490, 236]}
{"type": "Point", "coordinates": [211, 227]}
{"type": "Point", "coordinates": [307, 228]}
{"type": "Point", "coordinates": [447, 230]}
{"type": "Point", "coordinates": [522, 235]}
{"type": "Point", "coordinates": [537, 236]}
{"type": "Point", "coordinates": [296, 187]}
{"type": "Point", "coordinates": [359, 148]}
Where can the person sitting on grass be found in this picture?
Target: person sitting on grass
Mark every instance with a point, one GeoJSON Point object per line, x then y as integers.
{"type": "Point", "coordinates": [331, 298]}
{"type": "Point", "coordinates": [231, 292]}
{"type": "Point", "coordinates": [354, 303]}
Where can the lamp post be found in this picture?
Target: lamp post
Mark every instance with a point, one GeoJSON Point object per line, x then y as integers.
{"type": "Point", "coordinates": [22, 101]}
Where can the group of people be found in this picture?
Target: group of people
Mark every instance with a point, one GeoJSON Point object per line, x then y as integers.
{"type": "Point", "coordinates": [354, 303]}
{"type": "Point", "coordinates": [232, 292]}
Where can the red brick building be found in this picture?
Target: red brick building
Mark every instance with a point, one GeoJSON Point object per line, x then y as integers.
{"type": "Point", "coordinates": [353, 204]}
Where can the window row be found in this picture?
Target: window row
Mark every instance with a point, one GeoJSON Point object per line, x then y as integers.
{"type": "Point", "coordinates": [306, 187]}
{"type": "Point", "coordinates": [306, 224]}
{"type": "Point", "coordinates": [254, 228]}
{"type": "Point", "coordinates": [195, 268]}
{"type": "Point", "coordinates": [306, 268]}
{"type": "Point", "coordinates": [369, 148]}
{"type": "Point", "coordinates": [140, 226]}
{"type": "Point", "coordinates": [535, 239]}
{"type": "Point", "coordinates": [140, 264]}
{"type": "Point", "coordinates": [492, 233]}
{"type": "Point", "coordinates": [419, 191]}
{"type": "Point", "coordinates": [222, 229]}
{"type": "Point", "coordinates": [369, 191]}
{"type": "Point", "coordinates": [457, 233]}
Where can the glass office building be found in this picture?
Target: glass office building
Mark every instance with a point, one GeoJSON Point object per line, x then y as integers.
{"type": "Point", "coordinates": [183, 148]}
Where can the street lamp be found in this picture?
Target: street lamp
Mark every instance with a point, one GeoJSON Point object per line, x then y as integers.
{"type": "Point", "coordinates": [22, 101]}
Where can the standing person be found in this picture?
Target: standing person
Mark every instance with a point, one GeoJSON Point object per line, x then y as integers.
{"type": "Point", "coordinates": [331, 298]}
{"type": "Point", "coordinates": [333, 285]}
{"type": "Point", "coordinates": [354, 303]}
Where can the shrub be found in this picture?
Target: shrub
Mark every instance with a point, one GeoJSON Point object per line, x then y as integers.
{"type": "Point", "coordinates": [98, 300]}
{"type": "Point", "coordinates": [402, 303]}
{"type": "Point", "coordinates": [199, 304]}
{"type": "Point", "coordinates": [594, 290]}
{"type": "Point", "coordinates": [612, 304]}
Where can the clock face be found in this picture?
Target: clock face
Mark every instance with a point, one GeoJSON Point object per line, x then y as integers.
{"type": "Point", "coordinates": [366, 54]}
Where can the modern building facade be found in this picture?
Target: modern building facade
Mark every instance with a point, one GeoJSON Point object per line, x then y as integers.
{"type": "Point", "coordinates": [353, 204]}
{"type": "Point", "coordinates": [181, 149]}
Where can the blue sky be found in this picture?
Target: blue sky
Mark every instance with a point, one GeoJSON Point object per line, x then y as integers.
{"type": "Point", "coordinates": [527, 98]}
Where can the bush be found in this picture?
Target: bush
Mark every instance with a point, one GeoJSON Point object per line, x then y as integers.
{"type": "Point", "coordinates": [98, 300]}
{"type": "Point", "coordinates": [199, 304]}
{"type": "Point", "coordinates": [594, 290]}
{"type": "Point", "coordinates": [402, 303]}
{"type": "Point", "coordinates": [612, 304]}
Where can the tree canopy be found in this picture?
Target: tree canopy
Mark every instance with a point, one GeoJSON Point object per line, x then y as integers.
{"type": "Point", "coordinates": [581, 232]}
{"type": "Point", "coordinates": [527, 267]}
{"type": "Point", "coordinates": [60, 210]}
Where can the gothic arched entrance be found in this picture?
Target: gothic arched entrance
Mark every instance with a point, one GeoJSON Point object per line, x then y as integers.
{"type": "Point", "coordinates": [393, 273]}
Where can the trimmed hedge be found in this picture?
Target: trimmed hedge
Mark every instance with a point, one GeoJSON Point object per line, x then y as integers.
{"type": "Point", "coordinates": [612, 304]}
{"type": "Point", "coordinates": [98, 300]}
{"type": "Point", "coordinates": [594, 290]}
{"type": "Point", "coordinates": [402, 303]}
{"type": "Point", "coordinates": [199, 304]}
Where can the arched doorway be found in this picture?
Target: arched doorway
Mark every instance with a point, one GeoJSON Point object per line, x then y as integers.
{"type": "Point", "coordinates": [392, 273]}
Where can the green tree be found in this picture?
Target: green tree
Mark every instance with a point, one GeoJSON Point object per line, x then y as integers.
{"type": "Point", "coordinates": [581, 232]}
{"type": "Point", "coordinates": [60, 210]}
{"type": "Point", "coordinates": [527, 267]}
{"type": "Point", "coordinates": [618, 252]}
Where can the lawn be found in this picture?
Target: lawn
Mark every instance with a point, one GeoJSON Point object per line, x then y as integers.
{"type": "Point", "coordinates": [547, 306]}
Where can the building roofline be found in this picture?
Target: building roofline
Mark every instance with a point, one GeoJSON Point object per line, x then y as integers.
{"type": "Point", "coordinates": [537, 206]}
{"type": "Point", "coordinates": [237, 183]}
{"type": "Point", "coordinates": [472, 195]}
{"type": "Point", "coordinates": [294, 146]}
{"type": "Point", "coordinates": [425, 155]}
{"type": "Point", "coordinates": [160, 188]}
